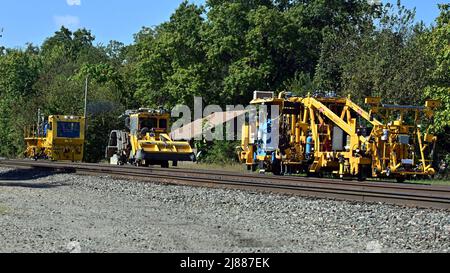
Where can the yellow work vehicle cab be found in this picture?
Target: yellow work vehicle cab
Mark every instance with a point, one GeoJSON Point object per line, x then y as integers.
{"type": "Point", "coordinates": [146, 141]}
{"type": "Point", "coordinates": [60, 138]}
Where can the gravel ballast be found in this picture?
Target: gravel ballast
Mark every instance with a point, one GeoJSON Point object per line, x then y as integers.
{"type": "Point", "coordinates": [45, 212]}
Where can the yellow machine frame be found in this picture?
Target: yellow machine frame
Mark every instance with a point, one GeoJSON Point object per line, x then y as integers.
{"type": "Point", "coordinates": [146, 141]}
{"type": "Point", "coordinates": [155, 144]}
{"type": "Point", "coordinates": [53, 144]}
{"type": "Point", "coordinates": [389, 150]}
{"type": "Point", "coordinates": [369, 150]}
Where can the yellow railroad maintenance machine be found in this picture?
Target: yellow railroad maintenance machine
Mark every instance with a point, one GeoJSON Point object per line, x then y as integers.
{"type": "Point", "coordinates": [60, 138]}
{"type": "Point", "coordinates": [331, 135]}
{"type": "Point", "coordinates": [146, 141]}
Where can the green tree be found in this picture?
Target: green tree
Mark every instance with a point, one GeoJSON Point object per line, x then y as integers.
{"type": "Point", "coordinates": [438, 40]}
{"type": "Point", "coordinates": [439, 50]}
{"type": "Point", "coordinates": [223, 51]}
{"type": "Point", "coordinates": [387, 61]}
{"type": "Point", "coordinates": [68, 59]}
{"type": "Point", "coordinates": [18, 72]}
{"type": "Point", "coordinates": [170, 65]}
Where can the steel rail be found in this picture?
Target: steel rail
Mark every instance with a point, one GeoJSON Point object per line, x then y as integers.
{"type": "Point", "coordinates": [220, 174]}
{"type": "Point", "coordinates": [426, 196]}
{"type": "Point", "coordinates": [384, 184]}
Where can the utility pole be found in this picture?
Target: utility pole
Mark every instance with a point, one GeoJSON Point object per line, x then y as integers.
{"type": "Point", "coordinates": [85, 98]}
{"type": "Point", "coordinates": [38, 123]}
{"type": "Point", "coordinates": [85, 114]}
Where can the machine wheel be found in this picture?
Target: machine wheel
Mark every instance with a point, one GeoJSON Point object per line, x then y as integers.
{"type": "Point", "coordinates": [361, 178]}
{"type": "Point", "coordinates": [364, 172]}
{"type": "Point", "coordinates": [165, 165]}
{"type": "Point", "coordinates": [276, 167]}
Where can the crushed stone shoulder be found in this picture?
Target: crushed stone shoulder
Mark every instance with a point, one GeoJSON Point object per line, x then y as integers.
{"type": "Point", "coordinates": [45, 212]}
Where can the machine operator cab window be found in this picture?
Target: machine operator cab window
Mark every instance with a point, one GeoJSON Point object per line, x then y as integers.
{"type": "Point", "coordinates": [163, 124]}
{"type": "Point", "coordinates": [156, 124]}
{"type": "Point", "coordinates": [149, 124]}
{"type": "Point", "coordinates": [67, 129]}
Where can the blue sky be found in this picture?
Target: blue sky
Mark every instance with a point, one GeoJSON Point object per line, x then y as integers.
{"type": "Point", "coordinates": [33, 21]}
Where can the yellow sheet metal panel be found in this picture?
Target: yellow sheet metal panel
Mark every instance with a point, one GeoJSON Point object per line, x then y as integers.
{"type": "Point", "coordinates": [373, 100]}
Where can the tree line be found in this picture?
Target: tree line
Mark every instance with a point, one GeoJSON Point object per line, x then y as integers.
{"type": "Point", "coordinates": [223, 51]}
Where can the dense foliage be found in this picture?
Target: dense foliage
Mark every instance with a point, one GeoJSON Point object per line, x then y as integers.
{"type": "Point", "coordinates": [223, 51]}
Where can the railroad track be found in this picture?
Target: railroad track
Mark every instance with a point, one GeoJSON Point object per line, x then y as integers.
{"type": "Point", "coordinates": [425, 196]}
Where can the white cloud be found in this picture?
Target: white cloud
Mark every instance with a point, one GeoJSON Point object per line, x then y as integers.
{"type": "Point", "coordinates": [73, 2]}
{"type": "Point", "coordinates": [68, 21]}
